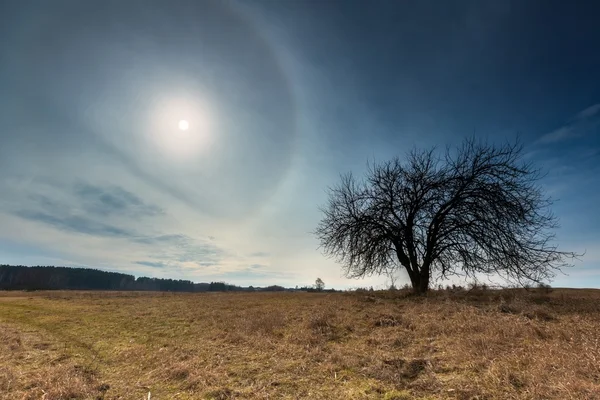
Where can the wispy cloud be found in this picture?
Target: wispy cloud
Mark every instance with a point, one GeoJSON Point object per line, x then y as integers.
{"type": "Point", "coordinates": [589, 112]}
{"type": "Point", "coordinates": [580, 125]}
{"type": "Point", "coordinates": [170, 239]}
{"type": "Point", "coordinates": [184, 249]}
{"type": "Point", "coordinates": [151, 264]}
{"type": "Point", "coordinates": [84, 208]}
{"type": "Point", "coordinates": [76, 224]}
{"type": "Point", "coordinates": [109, 200]}
{"type": "Point", "coordinates": [111, 212]}
{"type": "Point", "coordinates": [562, 133]}
{"type": "Point", "coordinates": [260, 254]}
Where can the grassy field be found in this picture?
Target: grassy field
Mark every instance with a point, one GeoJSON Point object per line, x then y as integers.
{"type": "Point", "coordinates": [505, 344]}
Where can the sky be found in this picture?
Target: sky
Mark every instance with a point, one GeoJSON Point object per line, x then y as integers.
{"type": "Point", "coordinates": [281, 97]}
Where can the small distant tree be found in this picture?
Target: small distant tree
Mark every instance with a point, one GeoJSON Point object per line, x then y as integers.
{"type": "Point", "coordinates": [476, 210]}
{"type": "Point", "coordinates": [392, 280]}
{"type": "Point", "coordinates": [319, 284]}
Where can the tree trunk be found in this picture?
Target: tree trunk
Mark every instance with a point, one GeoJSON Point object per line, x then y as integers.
{"type": "Point", "coordinates": [420, 280]}
{"type": "Point", "coordinates": [419, 277]}
{"type": "Point", "coordinates": [424, 284]}
{"type": "Point", "coordinates": [414, 278]}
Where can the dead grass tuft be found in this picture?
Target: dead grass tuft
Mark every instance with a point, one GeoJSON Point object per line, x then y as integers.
{"type": "Point", "coordinates": [398, 369]}
{"type": "Point", "coordinates": [540, 314]}
{"type": "Point", "coordinates": [387, 320]}
{"type": "Point", "coordinates": [180, 373]}
{"type": "Point", "coordinates": [220, 394]}
{"type": "Point", "coordinates": [322, 322]}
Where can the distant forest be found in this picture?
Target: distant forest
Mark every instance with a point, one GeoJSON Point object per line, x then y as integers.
{"type": "Point", "coordinates": [19, 277]}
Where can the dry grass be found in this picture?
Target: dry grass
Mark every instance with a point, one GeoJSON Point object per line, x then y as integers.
{"type": "Point", "coordinates": [484, 344]}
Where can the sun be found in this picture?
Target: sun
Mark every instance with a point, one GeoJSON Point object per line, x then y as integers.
{"type": "Point", "coordinates": [183, 125]}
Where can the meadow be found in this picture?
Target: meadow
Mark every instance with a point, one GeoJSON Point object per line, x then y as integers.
{"type": "Point", "coordinates": [482, 344]}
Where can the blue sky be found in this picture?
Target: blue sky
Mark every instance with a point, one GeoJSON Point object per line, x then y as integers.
{"type": "Point", "coordinates": [281, 98]}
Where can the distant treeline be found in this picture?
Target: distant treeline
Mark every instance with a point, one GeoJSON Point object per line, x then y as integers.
{"type": "Point", "coordinates": [19, 277]}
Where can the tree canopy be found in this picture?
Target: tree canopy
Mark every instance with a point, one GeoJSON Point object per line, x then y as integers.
{"type": "Point", "coordinates": [472, 210]}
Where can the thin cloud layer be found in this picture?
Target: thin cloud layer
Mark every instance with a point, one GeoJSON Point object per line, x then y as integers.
{"type": "Point", "coordinates": [111, 212]}
{"type": "Point", "coordinates": [585, 122]}
{"type": "Point", "coordinates": [75, 224]}
{"type": "Point", "coordinates": [184, 249]}
{"type": "Point", "coordinates": [113, 200]}
{"type": "Point", "coordinates": [84, 208]}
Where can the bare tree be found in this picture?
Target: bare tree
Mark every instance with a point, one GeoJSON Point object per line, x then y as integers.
{"type": "Point", "coordinates": [392, 280]}
{"type": "Point", "coordinates": [477, 209]}
{"type": "Point", "coordinates": [319, 284]}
